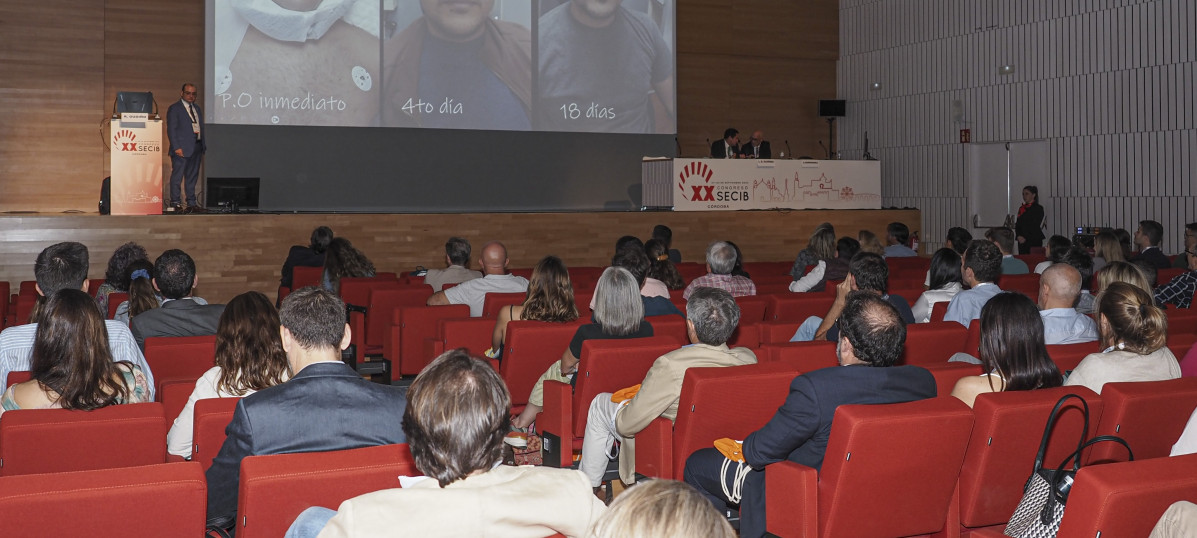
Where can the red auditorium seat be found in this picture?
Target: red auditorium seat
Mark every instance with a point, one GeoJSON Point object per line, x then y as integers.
{"type": "Point", "coordinates": [933, 343]}
{"type": "Point", "coordinates": [715, 403]}
{"type": "Point", "coordinates": [671, 325]}
{"type": "Point", "coordinates": [778, 332]}
{"type": "Point", "coordinates": [179, 358]}
{"type": "Point", "coordinates": [939, 310]}
{"type": "Point", "coordinates": [802, 356]}
{"type": "Point", "coordinates": [28, 287]}
{"type": "Point", "coordinates": [529, 348]}
{"type": "Point", "coordinates": [585, 278]}
{"type": "Point", "coordinates": [1179, 343]}
{"type": "Point", "coordinates": [690, 270]}
{"type": "Point", "coordinates": [163, 500]}
{"type": "Point", "coordinates": [1067, 356]}
{"type": "Point", "coordinates": [768, 269]}
{"type": "Point", "coordinates": [796, 307]}
{"type": "Point", "coordinates": [1148, 415]}
{"type": "Point", "coordinates": [383, 302]}
{"type": "Point", "coordinates": [4, 300]}
{"type": "Point", "coordinates": [17, 376]}
{"type": "Point", "coordinates": [93, 285]}
{"type": "Point", "coordinates": [302, 277]}
{"type": "Point", "coordinates": [927, 437]}
{"type": "Point", "coordinates": [746, 335]}
{"type": "Point", "coordinates": [212, 416]}
{"type": "Point", "coordinates": [24, 309]}
{"type": "Point", "coordinates": [1001, 451]}
{"type": "Point", "coordinates": [582, 301]}
{"type": "Point", "coordinates": [606, 366]}
{"type": "Point", "coordinates": [275, 489]}
{"type": "Point", "coordinates": [752, 308]}
{"type": "Point", "coordinates": [174, 395]}
{"type": "Point", "coordinates": [114, 301]}
{"type": "Point", "coordinates": [1126, 499]}
{"type": "Point", "coordinates": [911, 293]}
{"type": "Point", "coordinates": [948, 373]}
{"type": "Point", "coordinates": [495, 301]}
{"type": "Point", "coordinates": [912, 264]}
{"type": "Point", "coordinates": [58, 440]}
{"type": "Point", "coordinates": [1027, 284]}
{"type": "Point", "coordinates": [1164, 276]}
{"type": "Point", "coordinates": [1182, 320]}
{"type": "Point", "coordinates": [356, 292]}
{"type": "Point", "coordinates": [414, 324]}
{"type": "Point", "coordinates": [525, 272]}
{"type": "Point", "coordinates": [1032, 260]}
{"type": "Point", "coordinates": [474, 334]}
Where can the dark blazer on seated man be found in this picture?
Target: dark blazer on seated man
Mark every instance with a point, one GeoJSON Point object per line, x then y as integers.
{"type": "Point", "coordinates": [719, 149]}
{"type": "Point", "coordinates": [176, 317]}
{"type": "Point", "coordinates": [326, 406]}
{"type": "Point", "coordinates": [762, 152]}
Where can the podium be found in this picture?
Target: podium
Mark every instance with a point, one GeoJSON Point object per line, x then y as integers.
{"type": "Point", "coordinates": [136, 165]}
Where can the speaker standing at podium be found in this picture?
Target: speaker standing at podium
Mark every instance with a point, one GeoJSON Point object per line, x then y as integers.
{"type": "Point", "coordinates": [185, 129]}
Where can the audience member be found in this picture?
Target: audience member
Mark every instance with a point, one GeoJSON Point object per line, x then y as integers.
{"type": "Point", "coordinates": [982, 267]}
{"type": "Point", "coordinates": [1059, 289]}
{"type": "Point", "coordinates": [1057, 247]}
{"type": "Point", "coordinates": [711, 317]}
{"type": "Point", "coordinates": [628, 241]}
{"type": "Point", "coordinates": [958, 239]}
{"type": "Point", "coordinates": [661, 509]}
{"type": "Point", "coordinates": [896, 236]}
{"type": "Point", "coordinates": [72, 366]}
{"type": "Point", "coordinates": [1078, 257]}
{"type": "Point", "coordinates": [810, 256]}
{"type": "Point", "coordinates": [738, 267]}
{"type": "Point", "coordinates": [495, 279]}
{"type": "Point", "coordinates": [1134, 332]}
{"type": "Point", "coordinates": [1179, 261]}
{"type": "Point", "coordinates": [827, 267]}
{"type": "Point", "coordinates": [180, 313]}
{"type": "Point", "coordinates": [1124, 239]}
{"type": "Point", "coordinates": [1178, 521]}
{"type": "Point", "coordinates": [870, 243]}
{"type": "Point", "coordinates": [550, 298]}
{"type": "Point", "coordinates": [116, 277]}
{"type": "Point", "coordinates": [866, 272]}
{"type": "Point", "coordinates": [1012, 350]}
{"type": "Point", "coordinates": [721, 259]}
{"type": "Point", "coordinates": [249, 358]}
{"type": "Point", "coordinates": [1150, 272]}
{"type": "Point", "coordinates": [456, 417]}
{"type": "Point", "coordinates": [325, 405]}
{"type": "Point", "coordinates": [945, 283]}
{"type": "Point", "coordinates": [1123, 272]}
{"type": "Point", "coordinates": [1028, 224]}
{"type": "Point", "coordinates": [64, 266]}
{"type": "Point", "coordinates": [872, 339]}
{"type": "Point", "coordinates": [1187, 444]}
{"type": "Point", "coordinates": [1148, 237]}
{"type": "Point", "coordinates": [1179, 291]}
{"type": "Point", "coordinates": [618, 314]}
{"type": "Point", "coordinates": [343, 260]}
{"type": "Point", "coordinates": [664, 234]}
{"type": "Point", "coordinates": [457, 257]}
{"type": "Point", "coordinates": [655, 296]}
{"type": "Point", "coordinates": [1106, 249]}
{"type": "Point", "coordinates": [660, 266]}
{"type": "Point", "coordinates": [142, 295]}
{"type": "Point", "coordinates": [1004, 239]}
{"type": "Point", "coordinates": [311, 255]}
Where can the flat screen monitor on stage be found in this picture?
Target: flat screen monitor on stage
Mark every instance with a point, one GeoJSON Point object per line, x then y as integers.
{"type": "Point", "coordinates": [499, 104]}
{"type": "Point", "coordinates": [239, 192]}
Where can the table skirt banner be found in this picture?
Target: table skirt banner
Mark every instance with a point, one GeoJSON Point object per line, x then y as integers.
{"type": "Point", "coordinates": [731, 184]}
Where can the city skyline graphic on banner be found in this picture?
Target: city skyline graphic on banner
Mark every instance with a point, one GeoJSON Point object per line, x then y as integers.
{"type": "Point", "coordinates": [821, 188]}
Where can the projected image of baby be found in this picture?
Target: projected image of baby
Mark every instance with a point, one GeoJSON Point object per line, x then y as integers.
{"type": "Point", "coordinates": [296, 62]}
{"type": "Point", "coordinates": [604, 67]}
{"type": "Point", "coordinates": [455, 65]}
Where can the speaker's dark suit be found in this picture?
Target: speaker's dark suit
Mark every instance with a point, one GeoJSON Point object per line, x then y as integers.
{"type": "Point", "coordinates": [180, 317]}
{"type": "Point", "coordinates": [764, 153]}
{"type": "Point", "coordinates": [325, 407]}
{"type": "Point", "coordinates": [719, 149]}
{"type": "Point", "coordinates": [182, 136]}
{"type": "Point", "coordinates": [801, 428]}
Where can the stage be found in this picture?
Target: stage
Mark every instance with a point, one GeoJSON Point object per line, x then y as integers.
{"type": "Point", "coordinates": [239, 252]}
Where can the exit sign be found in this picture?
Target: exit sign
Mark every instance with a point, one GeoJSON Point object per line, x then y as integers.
{"type": "Point", "coordinates": [966, 136]}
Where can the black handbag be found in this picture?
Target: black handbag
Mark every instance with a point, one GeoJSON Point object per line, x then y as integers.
{"type": "Point", "coordinates": [1046, 492]}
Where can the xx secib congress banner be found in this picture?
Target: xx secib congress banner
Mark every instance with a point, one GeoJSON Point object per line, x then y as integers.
{"type": "Point", "coordinates": [136, 146]}
{"type": "Point", "coordinates": [739, 184]}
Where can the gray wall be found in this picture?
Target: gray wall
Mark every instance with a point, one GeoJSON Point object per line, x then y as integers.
{"type": "Point", "coordinates": [433, 170]}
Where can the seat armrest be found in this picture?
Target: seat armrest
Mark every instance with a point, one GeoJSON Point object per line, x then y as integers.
{"type": "Point", "coordinates": [557, 417]}
{"type": "Point", "coordinates": [793, 491]}
{"type": "Point", "coordinates": [654, 449]}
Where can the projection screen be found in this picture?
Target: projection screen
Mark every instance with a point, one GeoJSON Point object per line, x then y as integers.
{"type": "Point", "coordinates": [440, 105]}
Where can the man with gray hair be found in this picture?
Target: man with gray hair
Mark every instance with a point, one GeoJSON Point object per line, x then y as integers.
{"type": "Point", "coordinates": [711, 317]}
{"type": "Point", "coordinates": [457, 257]}
{"type": "Point", "coordinates": [721, 258]}
{"type": "Point", "coordinates": [1059, 289]}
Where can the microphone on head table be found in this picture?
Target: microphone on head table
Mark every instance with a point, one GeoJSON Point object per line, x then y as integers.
{"type": "Point", "coordinates": [825, 150]}
{"type": "Point", "coordinates": [788, 152]}
{"type": "Point", "coordinates": [679, 146]}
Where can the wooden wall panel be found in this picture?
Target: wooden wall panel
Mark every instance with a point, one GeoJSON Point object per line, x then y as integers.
{"type": "Point", "coordinates": [51, 82]}
{"type": "Point", "coordinates": [236, 253]}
